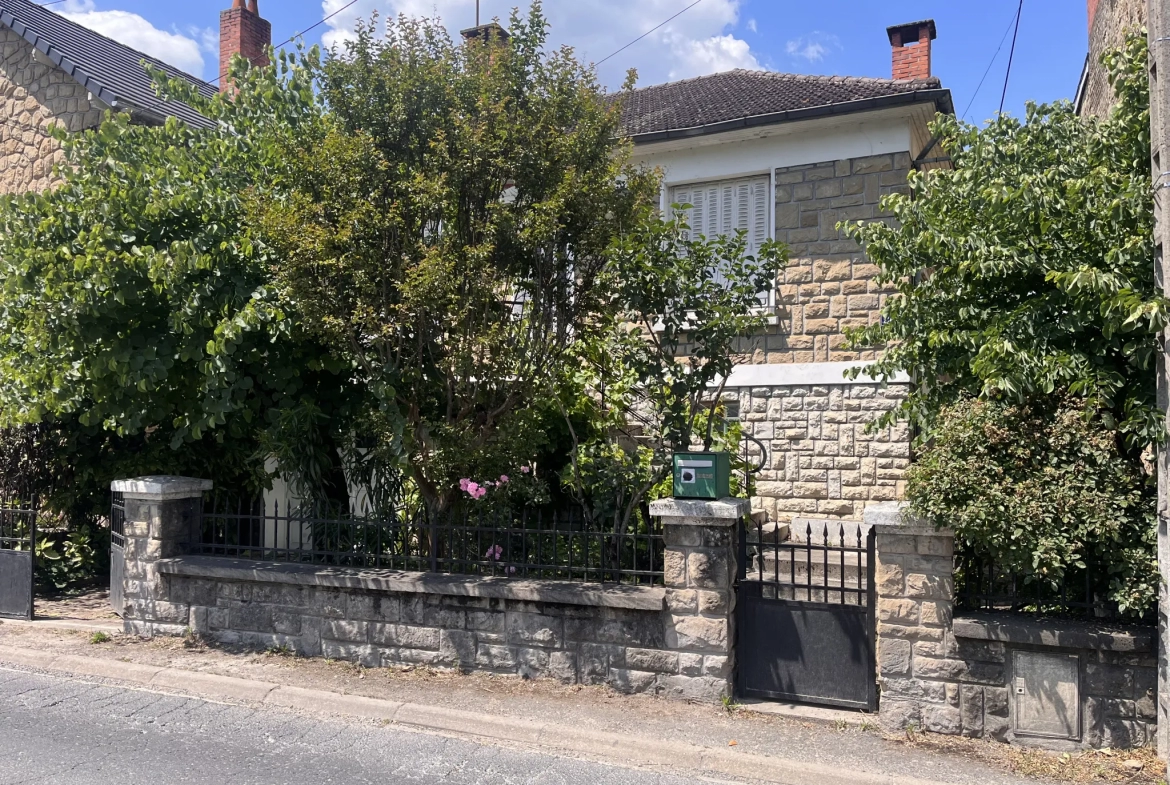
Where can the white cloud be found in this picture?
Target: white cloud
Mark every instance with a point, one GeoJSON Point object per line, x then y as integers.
{"type": "Point", "coordinates": [813, 47]}
{"type": "Point", "coordinates": [751, 25]}
{"type": "Point", "coordinates": [700, 41]}
{"type": "Point", "coordinates": [712, 55]}
{"type": "Point", "coordinates": [136, 32]}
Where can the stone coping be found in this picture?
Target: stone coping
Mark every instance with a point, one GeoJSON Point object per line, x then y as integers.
{"type": "Point", "coordinates": [646, 598]}
{"type": "Point", "coordinates": [161, 487]}
{"type": "Point", "coordinates": [1062, 633]}
{"type": "Point", "coordinates": [702, 512]}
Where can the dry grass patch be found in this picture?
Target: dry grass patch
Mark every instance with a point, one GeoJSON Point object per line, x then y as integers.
{"type": "Point", "coordinates": [1139, 766]}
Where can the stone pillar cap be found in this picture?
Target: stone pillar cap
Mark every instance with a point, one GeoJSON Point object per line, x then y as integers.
{"type": "Point", "coordinates": [161, 487]}
{"type": "Point", "coordinates": [728, 508]}
{"type": "Point", "coordinates": [896, 516]}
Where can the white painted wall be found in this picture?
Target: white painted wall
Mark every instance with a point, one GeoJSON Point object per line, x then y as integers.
{"type": "Point", "coordinates": [705, 158]}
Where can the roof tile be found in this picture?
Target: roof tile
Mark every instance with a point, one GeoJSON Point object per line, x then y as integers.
{"type": "Point", "coordinates": [111, 71]}
{"type": "Point", "coordinates": [739, 94]}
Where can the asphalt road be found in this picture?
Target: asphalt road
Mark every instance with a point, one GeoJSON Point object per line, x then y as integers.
{"type": "Point", "coordinates": [63, 731]}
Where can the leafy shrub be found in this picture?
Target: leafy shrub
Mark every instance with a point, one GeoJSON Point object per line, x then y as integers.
{"type": "Point", "coordinates": [1042, 489]}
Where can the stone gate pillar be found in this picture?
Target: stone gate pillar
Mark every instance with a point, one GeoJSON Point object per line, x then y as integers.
{"type": "Point", "coordinates": [915, 598]}
{"type": "Point", "coordinates": [162, 514]}
{"type": "Point", "coordinates": [700, 565]}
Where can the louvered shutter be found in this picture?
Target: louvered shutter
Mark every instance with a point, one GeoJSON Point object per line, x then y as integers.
{"type": "Point", "coordinates": [726, 206]}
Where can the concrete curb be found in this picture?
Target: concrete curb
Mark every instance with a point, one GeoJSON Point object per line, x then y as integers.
{"type": "Point", "coordinates": [565, 738]}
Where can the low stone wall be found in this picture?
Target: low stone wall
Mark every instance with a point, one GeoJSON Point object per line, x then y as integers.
{"type": "Point", "coordinates": [675, 640]}
{"type": "Point", "coordinates": [1055, 683]}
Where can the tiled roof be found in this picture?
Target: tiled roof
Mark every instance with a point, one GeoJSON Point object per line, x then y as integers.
{"type": "Point", "coordinates": [738, 95]}
{"type": "Point", "coordinates": [111, 71]}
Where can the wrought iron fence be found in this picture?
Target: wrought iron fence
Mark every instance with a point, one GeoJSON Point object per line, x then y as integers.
{"type": "Point", "coordinates": [983, 584]}
{"type": "Point", "coordinates": [531, 542]}
{"type": "Point", "coordinates": [18, 519]}
{"type": "Point", "coordinates": [828, 563]}
{"type": "Point", "coordinates": [117, 520]}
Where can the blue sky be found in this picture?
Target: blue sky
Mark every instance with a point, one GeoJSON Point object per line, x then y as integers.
{"type": "Point", "coordinates": [844, 37]}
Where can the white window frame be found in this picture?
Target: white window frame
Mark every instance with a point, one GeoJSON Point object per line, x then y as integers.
{"type": "Point", "coordinates": [770, 213]}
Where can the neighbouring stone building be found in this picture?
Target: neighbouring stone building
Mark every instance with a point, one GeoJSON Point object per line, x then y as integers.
{"type": "Point", "coordinates": [789, 156]}
{"type": "Point", "coordinates": [54, 71]}
{"type": "Point", "coordinates": [1109, 22]}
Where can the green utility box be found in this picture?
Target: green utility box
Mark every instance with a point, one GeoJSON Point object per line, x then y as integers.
{"type": "Point", "coordinates": [702, 475]}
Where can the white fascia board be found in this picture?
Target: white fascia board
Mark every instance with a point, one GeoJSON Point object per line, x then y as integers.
{"type": "Point", "coordinates": [800, 374]}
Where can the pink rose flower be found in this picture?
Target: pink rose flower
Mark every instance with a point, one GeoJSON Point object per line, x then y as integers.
{"type": "Point", "coordinates": [503, 479]}
{"type": "Point", "coordinates": [464, 483]}
{"type": "Point", "coordinates": [524, 470]}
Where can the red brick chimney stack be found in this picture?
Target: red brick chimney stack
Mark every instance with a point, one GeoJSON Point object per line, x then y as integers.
{"type": "Point", "coordinates": [1092, 12]}
{"type": "Point", "coordinates": [243, 32]}
{"type": "Point", "coordinates": [911, 49]}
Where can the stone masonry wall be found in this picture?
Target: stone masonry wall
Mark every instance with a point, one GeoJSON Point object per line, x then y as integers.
{"type": "Point", "coordinates": [953, 676]}
{"type": "Point", "coordinates": [821, 460]}
{"type": "Point", "coordinates": [623, 648]}
{"type": "Point", "coordinates": [1113, 19]}
{"type": "Point", "coordinates": [675, 640]}
{"type": "Point", "coordinates": [34, 92]}
{"type": "Point", "coordinates": [828, 285]}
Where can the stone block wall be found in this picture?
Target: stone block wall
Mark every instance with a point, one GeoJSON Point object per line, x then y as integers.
{"type": "Point", "coordinates": [1112, 20]}
{"type": "Point", "coordinates": [624, 648]}
{"type": "Point", "coordinates": [955, 676]}
{"type": "Point", "coordinates": [675, 640]}
{"type": "Point", "coordinates": [33, 93]}
{"type": "Point", "coordinates": [828, 285]}
{"type": "Point", "coordinates": [821, 460]}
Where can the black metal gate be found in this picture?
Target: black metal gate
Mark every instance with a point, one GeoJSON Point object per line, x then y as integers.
{"type": "Point", "coordinates": [805, 614]}
{"type": "Point", "coordinates": [117, 553]}
{"type": "Point", "coordinates": [18, 536]}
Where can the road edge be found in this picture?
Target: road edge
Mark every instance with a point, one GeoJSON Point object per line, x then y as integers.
{"type": "Point", "coordinates": [605, 746]}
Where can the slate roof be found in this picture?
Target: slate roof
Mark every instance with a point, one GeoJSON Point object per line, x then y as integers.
{"type": "Point", "coordinates": [111, 71]}
{"type": "Point", "coordinates": [738, 98]}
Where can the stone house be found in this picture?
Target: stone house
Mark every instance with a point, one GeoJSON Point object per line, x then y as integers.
{"type": "Point", "coordinates": [53, 70]}
{"type": "Point", "coordinates": [1109, 22]}
{"type": "Point", "coordinates": [789, 156]}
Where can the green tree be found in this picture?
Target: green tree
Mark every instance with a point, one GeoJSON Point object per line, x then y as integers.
{"type": "Point", "coordinates": [136, 312]}
{"type": "Point", "coordinates": [447, 231]}
{"type": "Point", "coordinates": [1026, 268]}
{"type": "Point", "coordinates": [655, 373]}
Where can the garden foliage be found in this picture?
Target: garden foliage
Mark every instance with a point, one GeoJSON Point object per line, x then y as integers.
{"type": "Point", "coordinates": [412, 257]}
{"type": "Point", "coordinates": [1029, 317]}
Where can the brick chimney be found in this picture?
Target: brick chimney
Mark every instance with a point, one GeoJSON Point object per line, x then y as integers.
{"type": "Point", "coordinates": [911, 49]}
{"type": "Point", "coordinates": [492, 33]}
{"type": "Point", "coordinates": [243, 32]}
{"type": "Point", "coordinates": [1092, 13]}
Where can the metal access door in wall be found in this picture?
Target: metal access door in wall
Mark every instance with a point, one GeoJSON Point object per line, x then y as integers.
{"type": "Point", "coordinates": [18, 532]}
{"type": "Point", "coordinates": [805, 613]}
{"type": "Point", "coordinates": [117, 553]}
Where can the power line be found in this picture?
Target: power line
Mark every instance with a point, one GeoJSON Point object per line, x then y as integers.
{"type": "Point", "coordinates": [323, 21]}
{"type": "Point", "coordinates": [648, 32]}
{"type": "Point", "coordinates": [1011, 56]}
{"type": "Point", "coordinates": [998, 49]}
{"type": "Point", "coordinates": [294, 35]}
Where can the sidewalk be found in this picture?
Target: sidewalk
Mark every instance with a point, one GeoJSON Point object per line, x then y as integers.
{"type": "Point", "coordinates": [584, 721]}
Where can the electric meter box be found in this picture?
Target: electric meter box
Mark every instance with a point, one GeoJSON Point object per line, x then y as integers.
{"type": "Point", "coordinates": [702, 475]}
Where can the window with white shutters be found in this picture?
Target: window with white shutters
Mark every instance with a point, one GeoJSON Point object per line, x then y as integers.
{"type": "Point", "coordinates": [726, 206]}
